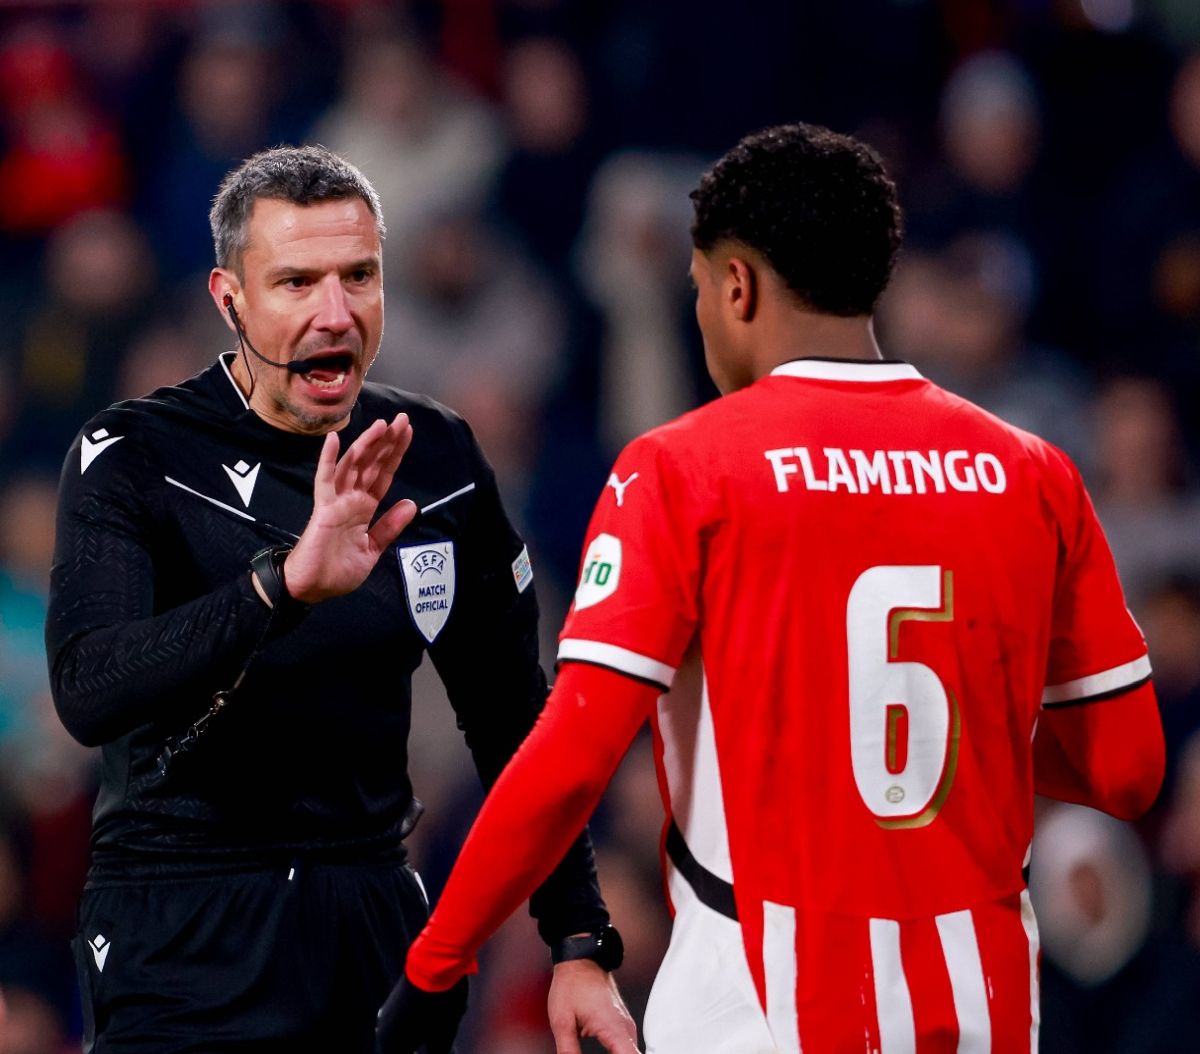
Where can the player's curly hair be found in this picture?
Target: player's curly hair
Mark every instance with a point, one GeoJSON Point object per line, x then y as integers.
{"type": "Point", "coordinates": [818, 205]}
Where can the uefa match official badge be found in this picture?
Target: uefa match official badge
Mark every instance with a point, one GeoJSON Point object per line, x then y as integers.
{"type": "Point", "coordinates": [429, 584]}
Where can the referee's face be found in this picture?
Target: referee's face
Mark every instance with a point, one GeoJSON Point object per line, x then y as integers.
{"type": "Point", "coordinates": [312, 290]}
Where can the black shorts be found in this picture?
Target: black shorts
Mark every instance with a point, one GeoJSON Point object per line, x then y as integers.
{"type": "Point", "coordinates": [297, 958]}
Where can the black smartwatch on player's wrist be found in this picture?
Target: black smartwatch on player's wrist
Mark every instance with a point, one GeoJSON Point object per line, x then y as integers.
{"type": "Point", "coordinates": [604, 947]}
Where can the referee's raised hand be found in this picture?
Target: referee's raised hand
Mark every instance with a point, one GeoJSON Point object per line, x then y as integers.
{"type": "Point", "coordinates": [340, 545]}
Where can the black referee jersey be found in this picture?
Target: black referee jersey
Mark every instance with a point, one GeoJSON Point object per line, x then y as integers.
{"type": "Point", "coordinates": [163, 502]}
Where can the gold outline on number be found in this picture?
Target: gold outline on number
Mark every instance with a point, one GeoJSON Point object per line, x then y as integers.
{"type": "Point", "coordinates": [945, 613]}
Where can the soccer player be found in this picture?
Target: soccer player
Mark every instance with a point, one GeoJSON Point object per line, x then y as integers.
{"type": "Point", "coordinates": [885, 618]}
{"type": "Point", "coordinates": [235, 617]}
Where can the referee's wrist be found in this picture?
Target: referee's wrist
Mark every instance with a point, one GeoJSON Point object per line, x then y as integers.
{"type": "Point", "coordinates": [604, 947]}
{"type": "Point", "coordinates": [267, 577]}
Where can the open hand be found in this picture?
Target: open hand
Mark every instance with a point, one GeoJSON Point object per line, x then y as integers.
{"type": "Point", "coordinates": [339, 547]}
{"type": "Point", "coordinates": [584, 1001]}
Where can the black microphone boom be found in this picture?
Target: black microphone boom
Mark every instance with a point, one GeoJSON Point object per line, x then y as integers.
{"type": "Point", "coordinates": [292, 367]}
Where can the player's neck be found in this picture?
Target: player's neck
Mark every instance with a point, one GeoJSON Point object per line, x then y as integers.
{"type": "Point", "coordinates": [809, 335]}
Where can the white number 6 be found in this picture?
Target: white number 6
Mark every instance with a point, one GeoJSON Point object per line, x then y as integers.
{"type": "Point", "coordinates": [904, 723]}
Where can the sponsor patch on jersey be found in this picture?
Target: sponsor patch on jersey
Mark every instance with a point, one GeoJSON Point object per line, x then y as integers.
{"type": "Point", "coordinates": [601, 572]}
{"type": "Point", "coordinates": [429, 583]}
{"type": "Point", "coordinates": [522, 570]}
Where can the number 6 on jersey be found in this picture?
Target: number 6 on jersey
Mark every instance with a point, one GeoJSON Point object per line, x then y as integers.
{"type": "Point", "coordinates": [904, 723]}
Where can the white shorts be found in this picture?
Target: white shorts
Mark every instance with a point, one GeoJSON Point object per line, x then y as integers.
{"type": "Point", "coordinates": [703, 998]}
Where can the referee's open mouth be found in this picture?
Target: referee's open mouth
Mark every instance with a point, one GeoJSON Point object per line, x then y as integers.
{"type": "Point", "coordinates": [329, 372]}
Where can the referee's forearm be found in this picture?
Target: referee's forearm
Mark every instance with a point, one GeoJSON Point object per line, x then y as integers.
{"type": "Point", "coordinates": [107, 680]}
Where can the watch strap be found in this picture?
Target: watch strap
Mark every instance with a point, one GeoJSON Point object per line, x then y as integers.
{"type": "Point", "coordinates": [603, 947]}
{"type": "Point", "coordinates": [267, 565]}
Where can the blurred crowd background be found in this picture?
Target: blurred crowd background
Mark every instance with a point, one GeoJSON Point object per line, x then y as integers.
{"type": "Point", "coordinates": [534, 159]}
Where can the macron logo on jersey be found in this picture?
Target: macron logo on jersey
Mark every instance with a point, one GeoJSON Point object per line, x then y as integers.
{"type": "Point", "coordinates": [95, 445]}
{"type": "Point", "coordinates": [886, 471]}
{"type": "Point", "coordinates": [601, 572]}
{"type": "Point", "coordinates": [243, 477]}
{"type": "Point", "coordinates": [100, 945]}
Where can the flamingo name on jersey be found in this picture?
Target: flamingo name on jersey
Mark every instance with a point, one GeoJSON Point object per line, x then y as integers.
{"type": "Point", "coordinates": [886, 471]}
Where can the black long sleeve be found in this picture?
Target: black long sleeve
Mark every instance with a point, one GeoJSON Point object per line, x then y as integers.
{"type": "Point", "coordinates": [488, 660]}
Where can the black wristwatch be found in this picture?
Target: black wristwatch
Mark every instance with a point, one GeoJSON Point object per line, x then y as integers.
{"type": "Point", "coordinates": [604, 947]}
{"type": "Point", "coordinates": [267, 565]}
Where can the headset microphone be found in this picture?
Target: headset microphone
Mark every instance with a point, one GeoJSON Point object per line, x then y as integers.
{"type": "Point", "coordinates": [292, 367]}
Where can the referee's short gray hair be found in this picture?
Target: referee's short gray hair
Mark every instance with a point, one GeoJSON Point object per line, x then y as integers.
{"type": "Point", "coordinates": [299, 174]}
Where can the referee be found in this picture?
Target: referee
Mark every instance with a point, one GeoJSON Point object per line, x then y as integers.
{"type": "Point", "coordinates": [249, 567]}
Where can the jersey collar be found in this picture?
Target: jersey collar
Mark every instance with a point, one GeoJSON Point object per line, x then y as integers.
{"type": "Point", "coordinates": [847, 370]}
{"type": "Point", "coordinates": [225, 361]}
{"type": "Point", "coordinates": [234, 399]}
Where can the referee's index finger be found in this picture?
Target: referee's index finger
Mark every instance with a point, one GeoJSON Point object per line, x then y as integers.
{"type": "Point", "coordinates": [400, 435]}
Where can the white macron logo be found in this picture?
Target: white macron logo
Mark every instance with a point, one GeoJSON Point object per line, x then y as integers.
{"type": "Point", "coordinates": [243, 477]}
{"type": "Point", "coordinates": [619, 487]}
{"type": "Point", "coordinates": [94, 446]}
{"type": "Point", "coordinates": [100, 945]}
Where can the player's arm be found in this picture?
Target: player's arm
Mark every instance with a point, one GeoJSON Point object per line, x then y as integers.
{"type": "Point", "coordinates": [533, 813]}
{"type": "Point", "coordinates": [1099, 738]}
{"type": "Point", "coordinates": [487, 657]}
{"type": "Point", "coordinates": [1107, 754]}
{"type": "Point", "coordinates": [535, 810]}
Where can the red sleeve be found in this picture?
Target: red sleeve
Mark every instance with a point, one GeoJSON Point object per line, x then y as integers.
{"type": "Point", "coordinates": [537, 807]}
{"type": "Point", "coordinates": [1096, 648]}
{"type": "Point", "coordinates": [1099, 739]}
{"type": "Point", "coordinates": [636, 606]}
{"type": "Point", "coordinates": [1108, 755]}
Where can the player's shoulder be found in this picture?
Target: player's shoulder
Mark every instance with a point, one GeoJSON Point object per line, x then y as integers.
{"type": "Point", "coordinates": [686, 437]}
{"type": "Point", "coordinates": [964, 416]}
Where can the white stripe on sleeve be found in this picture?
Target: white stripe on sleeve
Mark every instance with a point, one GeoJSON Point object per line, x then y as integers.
{"type": "Point", "coordinates": [621, 659]}
{"type": "Point", "coordinates": [1124, 676]}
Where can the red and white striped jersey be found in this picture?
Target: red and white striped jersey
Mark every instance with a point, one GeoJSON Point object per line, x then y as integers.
{"type": "Point", "coordinates": [883, 584]}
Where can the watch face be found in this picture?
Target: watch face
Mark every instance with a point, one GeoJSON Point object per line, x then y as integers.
{"type": "Point", "coordinates": [612, 948]}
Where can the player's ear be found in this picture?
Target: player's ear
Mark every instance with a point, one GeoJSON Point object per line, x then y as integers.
{"type": "Point", "coordinates": [741, 287]}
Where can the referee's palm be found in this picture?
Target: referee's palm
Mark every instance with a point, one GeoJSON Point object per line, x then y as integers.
{"type": "Point", "coordinates": [340, 546]}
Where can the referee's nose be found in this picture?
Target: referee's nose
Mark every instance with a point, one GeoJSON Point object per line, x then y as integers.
{"type": "Point", "coordinates": [333, 313]}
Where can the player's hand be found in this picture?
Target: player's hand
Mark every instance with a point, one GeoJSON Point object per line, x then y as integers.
{"type": "Point", "coordinates": [339, 547]}
{"type": "Point", "coordinates": [414, 1020]}
{"type": "Point", "coordinates": [584, 1001]}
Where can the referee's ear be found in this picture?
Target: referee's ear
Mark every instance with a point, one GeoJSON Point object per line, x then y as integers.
{"type": "Point", "coordinates": [224, 283]}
